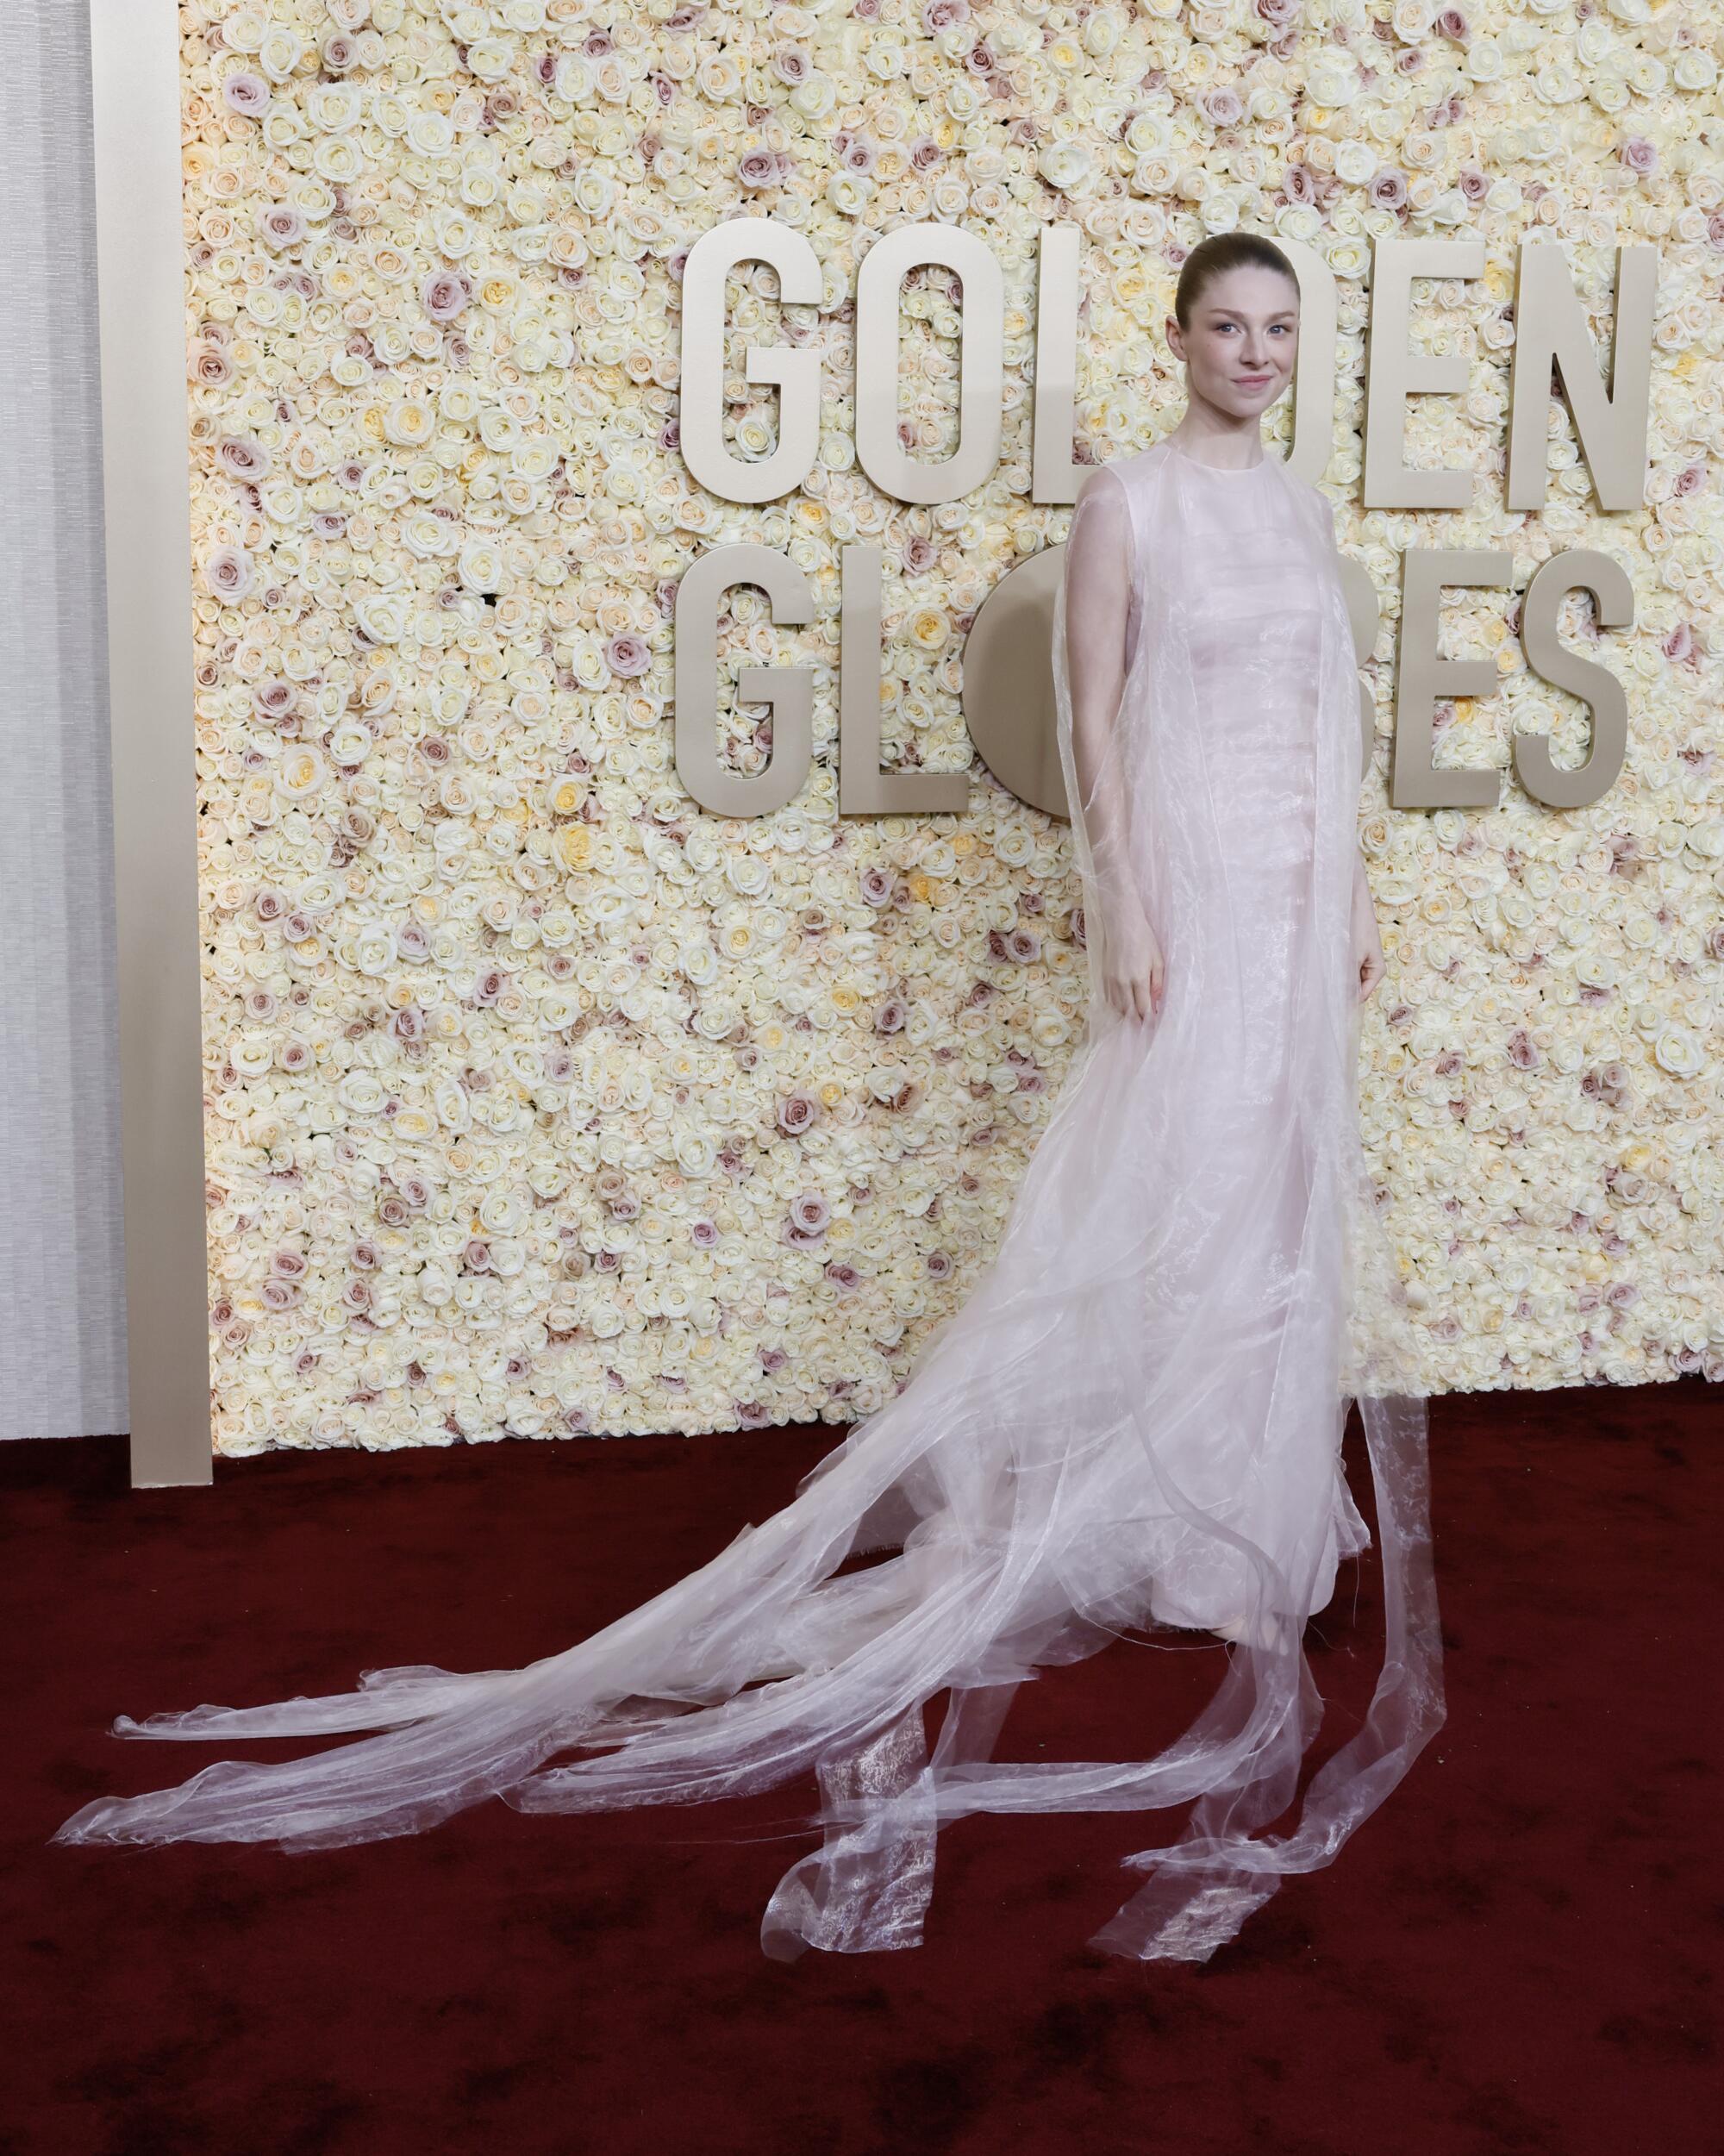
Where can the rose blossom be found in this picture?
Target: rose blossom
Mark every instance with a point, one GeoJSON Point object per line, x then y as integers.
{"type": "Point", "coordinates": [275, 700]}
{"type": "Point", "coordinates": [243, 91]}
{"type": "Point", "coordinates": [243, 457]}
{"type": "Point", "coordinates": [808, 1216]}
{"type": "Point", "coordinates": [762, 168]}
{"type": "Point", "coordinates": [282, 224]}
{"type": "Point", "coordinates": [627, 656]}
{"type": "Point", "coordinates": [210, 366]}
{"type": "Point", "coordinates": [228, 572]}
{"type": "Point", "coordinates": [797, 1112]}
{"type": "Point", "coordinates": [444, 295]}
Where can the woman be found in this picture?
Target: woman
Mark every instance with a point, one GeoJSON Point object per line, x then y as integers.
{"type": "Point", "coordinates": [1134, 1424]}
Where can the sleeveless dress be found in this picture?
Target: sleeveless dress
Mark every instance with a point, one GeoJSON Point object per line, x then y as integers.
{"type": "Point", "coordinates": [1133, 1423]}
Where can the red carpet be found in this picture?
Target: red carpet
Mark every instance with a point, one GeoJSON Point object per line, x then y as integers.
{"type": "Point", "coordinates": [1519, 1953]}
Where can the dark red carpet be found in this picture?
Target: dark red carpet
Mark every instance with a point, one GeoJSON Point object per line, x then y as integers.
{"type": "Point", "coordinates": [1519, 1953]}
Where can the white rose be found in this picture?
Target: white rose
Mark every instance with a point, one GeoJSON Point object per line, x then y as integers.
{"type": "Point", "coordinates": [373, 951]}
{"type": "Point", "coordinates": [849, 193]}
{"type": "Point", "coordinates": [1330, 80]}
{"type": "Point", "coordinates": [361, 1093]}
{"type": "Point", "coordinates": [245, 30]}
{"type": "Point", "coordinates": [490, 58]}
{"type": "Point", "coordinates": [279, 53]}
{"type": "Point", "coordinates": [410, 421]}
{"type": "Point", "coordinates": [1065, 165]}
{"type": "Point", "coordinates": [498, 429]}
{"type": "Point", "coordinates": [480, 567]}
{"type": "Point", "coordinates": [300, 774]}
{"type": "Point", "coordinates": [1679, 1052]}
{"type": "Point", "coordinates": [431, 133]}
{"type": "Point", "coordinates": [816, 98]}
{"type": "Point", "coordinates": [383, 615]}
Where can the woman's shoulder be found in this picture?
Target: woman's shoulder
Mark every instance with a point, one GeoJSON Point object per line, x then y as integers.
{"type": "Point", "coordinates": [1127, 465]}
{"type": "Point", "coordinates": [1120, 480]}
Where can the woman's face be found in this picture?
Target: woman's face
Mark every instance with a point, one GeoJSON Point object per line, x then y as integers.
{"type": "Point", "coordinates": [1243, 340]}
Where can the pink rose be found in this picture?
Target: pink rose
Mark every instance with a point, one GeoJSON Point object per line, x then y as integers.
{"type": "Point", "coordinates": [275, 700]}
{"type": "Point", "coordinates": [761, 168]}
{"type": "Point", "coordinates": [627, 656]}
{"type": "Point", "coordinates": [228, 572]}
{"type": "Point", "coordinates": [444, 295]}
{"type": "Point", "coordinates": [809, 1216]}
{"type": "Point", "coordinates": [243, 91]}
{"type": "Point", "coordinates": [797, 1112]}
{"type": "Point", "coordinates": [282, 225]}
{"type": "Point", "coordinates": [210, 367]}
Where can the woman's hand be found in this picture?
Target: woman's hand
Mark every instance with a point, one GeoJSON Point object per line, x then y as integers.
{"type": "Point", "coordinates": [1132, 973]}
{"type": "Point", "coordinates": [1367, 944]}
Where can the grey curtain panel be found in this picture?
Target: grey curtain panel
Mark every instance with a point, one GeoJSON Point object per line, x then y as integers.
{"type": "Point", "coordinates": [62, 1297]}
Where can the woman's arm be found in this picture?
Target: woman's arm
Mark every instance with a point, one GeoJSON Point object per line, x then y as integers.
{"type": "Point", "coordinates": [1367, 943]}
{"type": "Point", "coordinates": [1099, 571]}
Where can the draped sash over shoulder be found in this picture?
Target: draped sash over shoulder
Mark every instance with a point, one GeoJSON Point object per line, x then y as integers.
{"type": "Point", "coordinates": [1132, 1424]}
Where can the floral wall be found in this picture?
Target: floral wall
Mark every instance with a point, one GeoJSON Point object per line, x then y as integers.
{"type": "Point", "coordinates": [542, 1102]}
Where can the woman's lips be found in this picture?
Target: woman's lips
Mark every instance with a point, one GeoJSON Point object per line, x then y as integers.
{"type": "Point", "coordinates": [1252, 381]}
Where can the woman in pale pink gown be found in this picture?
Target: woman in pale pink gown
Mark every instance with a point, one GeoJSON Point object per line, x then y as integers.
{"type": "Point", "coordinates": [1135, 1421]}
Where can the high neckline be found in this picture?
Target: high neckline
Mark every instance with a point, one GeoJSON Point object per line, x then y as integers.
{"type": "Point", "coordinates": [1224, 472]}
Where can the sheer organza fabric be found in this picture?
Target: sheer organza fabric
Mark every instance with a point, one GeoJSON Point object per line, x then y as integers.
{"type": "Point", "coordinates": [1133, 1423]}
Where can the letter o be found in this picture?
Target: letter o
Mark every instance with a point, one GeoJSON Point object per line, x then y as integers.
{"type": "Point", "coordinates": [981, 377]}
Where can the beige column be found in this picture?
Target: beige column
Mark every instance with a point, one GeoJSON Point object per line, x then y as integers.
{"type": "Point", "coordinates": [134, 46]}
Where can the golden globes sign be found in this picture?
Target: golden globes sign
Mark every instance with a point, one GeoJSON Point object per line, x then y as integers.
{"type": "Point", "coordinates": [1008, 687]}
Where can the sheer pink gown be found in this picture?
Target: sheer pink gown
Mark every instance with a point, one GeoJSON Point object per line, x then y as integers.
{"type": "Point", "coordinates": [1133, 1423]}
